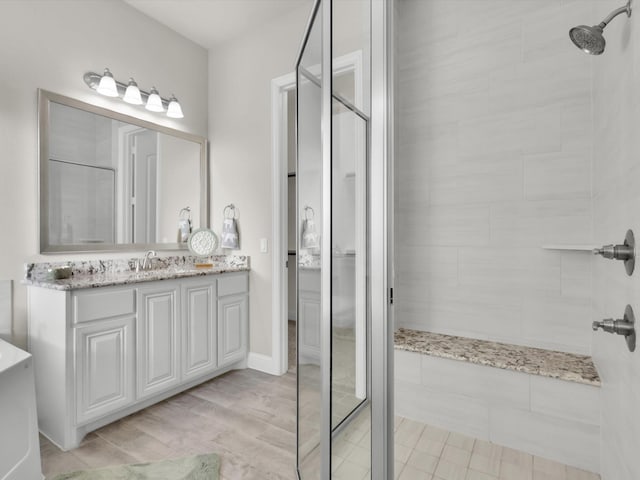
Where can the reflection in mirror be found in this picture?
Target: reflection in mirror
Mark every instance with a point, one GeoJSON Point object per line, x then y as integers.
{"type": "Point", "coordinates": [348, 247]}
{"type": "Point", "coordinates": [112, 182]}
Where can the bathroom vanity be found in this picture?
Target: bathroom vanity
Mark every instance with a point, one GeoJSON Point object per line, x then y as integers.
{"type": "Point", "coordinates": [108, 344]}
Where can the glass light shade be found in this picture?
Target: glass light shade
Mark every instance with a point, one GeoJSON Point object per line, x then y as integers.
{"type": "Point", "coordinates": [174, 110]}
{"type": "Point", "coordinates": [107, 85]}
{"type": "Point", "coordinates": [154, 102]}
{"type": "Point", "coordinates": [132, 94]}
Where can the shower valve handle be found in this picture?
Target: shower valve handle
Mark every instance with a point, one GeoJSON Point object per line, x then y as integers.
{"type": "Point", "coordinates": [625, 252]}
{"type": "Point", "coordinates": [616, 252]}
{"type": "Point", "coordinates": [621, 327]}
{"type": "Point", "coordinates": [625, 327]}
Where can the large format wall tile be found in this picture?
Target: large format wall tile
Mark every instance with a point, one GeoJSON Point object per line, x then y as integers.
{"type": "Point", "coordinates": [493, 161]}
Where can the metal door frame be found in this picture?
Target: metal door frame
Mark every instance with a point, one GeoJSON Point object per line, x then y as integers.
{"type": "Point", "coordinates": [379, 236]}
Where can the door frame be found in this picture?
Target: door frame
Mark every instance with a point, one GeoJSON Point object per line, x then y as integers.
{"type": "Point", "coordinates": [280, 87]}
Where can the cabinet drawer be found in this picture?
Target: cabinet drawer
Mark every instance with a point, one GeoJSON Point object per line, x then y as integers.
{"type": "Point", "coordinates": [309, 280]}
{"type": "Point", "coordinates": [233, 284]}
{"type": "Point", "coordinates": [103, 303]}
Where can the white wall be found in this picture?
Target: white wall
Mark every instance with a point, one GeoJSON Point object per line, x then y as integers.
{"type": "Point", "coordinates": [494, 161]}
{"type": "Point", "coordinates": [616, 204]}
{"type": "Point", "coordinates": [50, 45]}
{"type": "Point", "coordinates": [240, 134]}
{"type": "Point", "coordinates": [240, 73]}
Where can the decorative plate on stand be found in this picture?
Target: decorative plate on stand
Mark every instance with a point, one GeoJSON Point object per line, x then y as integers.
{"type": "Point", "coordinates": [203, 242]}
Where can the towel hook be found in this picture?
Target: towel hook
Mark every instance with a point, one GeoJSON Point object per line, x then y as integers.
{"type": "Point", "coordinates": [306, 213]}
{"type": "Point", "coordinates": [232, 209]}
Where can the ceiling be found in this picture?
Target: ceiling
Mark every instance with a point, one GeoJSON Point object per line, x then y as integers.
{"type": "Point", "coordinates": [212, 22]}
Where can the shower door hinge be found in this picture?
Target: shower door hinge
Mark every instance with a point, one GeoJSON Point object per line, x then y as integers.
{"type": "Point", "coordinates": [391, 296]}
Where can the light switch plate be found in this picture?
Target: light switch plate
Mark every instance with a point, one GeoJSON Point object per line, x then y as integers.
{"type": "Point", "coordinates": [264, 245]}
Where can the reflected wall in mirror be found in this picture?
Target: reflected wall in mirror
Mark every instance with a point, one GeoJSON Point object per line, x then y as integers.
{"type": "Point", "coordinates": [113, 182]}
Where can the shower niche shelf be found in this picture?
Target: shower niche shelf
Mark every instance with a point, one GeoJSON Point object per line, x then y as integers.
{"type": "Point", "coordinates": [569, 247]}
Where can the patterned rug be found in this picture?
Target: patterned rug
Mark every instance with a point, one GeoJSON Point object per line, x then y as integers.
{"type": "Point", "coordinates": [198, 467]}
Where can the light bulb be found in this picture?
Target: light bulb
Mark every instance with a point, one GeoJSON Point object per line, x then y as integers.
{"type": "Point", "coordinates": [107, 85]}
{"type": "Point", "coordinates": [132, 94]}
{"type": "Point", "coordinates": [174, 110]}
{"type": "Point", "coordinates": [154, 102]}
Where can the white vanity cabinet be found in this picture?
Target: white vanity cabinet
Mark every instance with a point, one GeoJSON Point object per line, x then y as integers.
{"type": "Point", "coordinates": [157, 338]}
{"type": "Point", "coordinates": [104, 367]}
{"type": "Point", "coordinates": [103, 331]}
{"type": "Point", "coordinates": [309, 319]}
{"type": "Point", "coordinates": [103, 353]}
{"type": "Point", "coordinates": [199, 327]}
{"type": "Point", "coordinates": [233, 311]}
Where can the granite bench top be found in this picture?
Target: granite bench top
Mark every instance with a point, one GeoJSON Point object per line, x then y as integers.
{"type": "Point", "coordinates": [535, 361]}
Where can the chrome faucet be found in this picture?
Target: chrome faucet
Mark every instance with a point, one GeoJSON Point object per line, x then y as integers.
{"type": "Point", "coordinates": [146, 261]}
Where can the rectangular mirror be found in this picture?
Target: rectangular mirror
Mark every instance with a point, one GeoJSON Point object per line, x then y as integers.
{"type": "Point", "coordinates": [109, 181]}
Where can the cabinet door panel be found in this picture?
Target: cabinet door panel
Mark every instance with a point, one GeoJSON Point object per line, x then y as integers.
{"type": "Point", "coordinates": [157, 341]}
{"type": "Point", "coordinates": [104, 362]}
{"type": "Point", "coordinates": [309, 324]}
{"type": "Point", "coordinates": [198, 329]}
{"type": "Point", "coordinates": [232, 328]}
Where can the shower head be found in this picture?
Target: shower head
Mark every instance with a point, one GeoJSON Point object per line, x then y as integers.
{"type": "Point", "coordinates": [590, 39]}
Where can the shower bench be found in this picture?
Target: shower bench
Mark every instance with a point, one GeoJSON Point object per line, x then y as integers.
{"type": "Point", "coordinates": [543, 402]}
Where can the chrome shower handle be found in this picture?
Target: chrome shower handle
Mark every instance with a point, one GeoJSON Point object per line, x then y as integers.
{"type": "Point", "coordinates": [625, 252]}
{"type": "Point", "coordinates": [616, 252]}
{"type": "Point", "coordinates": [620, 327]}
{"type": "Point", "coordinates": [625, 327]}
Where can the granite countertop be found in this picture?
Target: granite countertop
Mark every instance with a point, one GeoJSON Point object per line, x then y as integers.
{"type": "Point", "coordinates": [105, 273]}
{"type": "Point", "coordinates": [536, 361]}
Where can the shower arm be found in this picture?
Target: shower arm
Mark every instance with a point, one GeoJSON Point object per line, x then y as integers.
{"type": "Point", "coordinates": [625, 9]}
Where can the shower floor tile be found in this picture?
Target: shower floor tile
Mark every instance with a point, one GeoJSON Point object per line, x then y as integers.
{"type": "Point", "coordinates": [426, 452]}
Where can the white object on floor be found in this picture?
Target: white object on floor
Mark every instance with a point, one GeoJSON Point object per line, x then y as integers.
{"type": "Point", "coordinates": [5, 309]}
{"type": "Point", "coordinates": [19, 443]}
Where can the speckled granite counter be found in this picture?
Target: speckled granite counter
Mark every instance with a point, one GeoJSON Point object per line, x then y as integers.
{"type": "Point", "coordinates": [105, 273]}
{"type": "Point", "coordinates": [535, 361]}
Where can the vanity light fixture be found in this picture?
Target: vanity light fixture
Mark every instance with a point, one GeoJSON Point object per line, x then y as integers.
{"type": "Point", "coordinates": [132, 93]}
{"type": "Point", "coordinates": [174, 110]}
{"type": "Point", "coordinates": [154, 102]}
{"type": "Point", "coordinates": [105, 84]}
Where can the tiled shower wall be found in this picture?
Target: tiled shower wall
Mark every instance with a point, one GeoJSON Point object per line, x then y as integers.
{"type": "Point", "coordinates": [494, 160]}
{"type": "Point", "coordinates": [616, 201]}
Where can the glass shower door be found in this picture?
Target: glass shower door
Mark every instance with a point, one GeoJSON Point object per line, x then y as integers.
{"type": "Point", "coordinates": [309, 217]}
{"type": "Point", "coordinates": [334, 414]}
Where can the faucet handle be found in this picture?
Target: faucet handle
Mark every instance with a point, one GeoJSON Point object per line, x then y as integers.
{"type": "Point", "coordinates": [625, 252]}
{"type": "Point", "coordinates": [607, 325]}
{"type": "Point", "coordinates": [624, 327]}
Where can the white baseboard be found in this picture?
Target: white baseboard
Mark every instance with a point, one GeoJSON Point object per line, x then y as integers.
{"type": "Point", "coordinates": [262, 363]}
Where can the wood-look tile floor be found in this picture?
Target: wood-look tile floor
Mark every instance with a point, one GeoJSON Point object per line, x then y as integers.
{"type": "Point", "coordinates": [245, 416]}
{"type": "Point", "coordinates": [249, 419]}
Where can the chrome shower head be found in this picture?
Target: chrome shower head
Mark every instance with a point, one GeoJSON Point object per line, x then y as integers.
{"type": "Point", "coordinates": [590, 39]}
